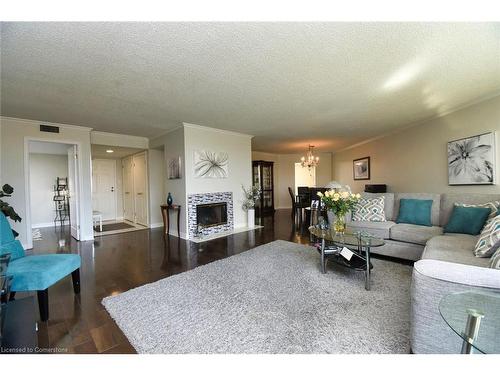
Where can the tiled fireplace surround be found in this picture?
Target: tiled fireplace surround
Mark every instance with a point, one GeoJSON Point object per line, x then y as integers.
{"type": "Point", "coordinates": [205, 198]}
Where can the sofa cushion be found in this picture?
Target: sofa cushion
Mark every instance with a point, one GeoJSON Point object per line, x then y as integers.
{"type": "Point", "coordinates": [388, 203]}
{"type": "Point", "coordinates": [379, 229]}
{"type": "Point", "coordinates": [415, 211]}
{"type": "Point", "coordinates": [418, 234]}
{"type": "Point", "coordinates": [448, 202]}
{"type": "Point", "coordinates": [369, 209]}
{"type": "Point", "coordinates": [489, 239]}
{"type": "Point", "coordinates": [467, 220]}
{"type": "Point", "coordinates": [436, 203]}
{"type": "Point", "coordinates": [495, 260]}
{"type": "Point", "coordinates": [455, 248]}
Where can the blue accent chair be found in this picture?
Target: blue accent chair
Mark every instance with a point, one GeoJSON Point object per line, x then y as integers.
{"type": "Point", "coordinates": [36, 272]}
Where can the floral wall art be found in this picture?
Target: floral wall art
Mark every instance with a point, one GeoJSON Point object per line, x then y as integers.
{"type": "Point", "coordinates": [471, 161]}
{"type": "Point", "coordinates": [210, 164]}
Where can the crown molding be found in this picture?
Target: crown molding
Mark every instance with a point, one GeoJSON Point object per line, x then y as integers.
{"type": "Point", "coordinates": [481, 99]}
{"type": "Point", "coordinates": [40, 122]}
{"type": "Point", "coordinates": [222, 131]}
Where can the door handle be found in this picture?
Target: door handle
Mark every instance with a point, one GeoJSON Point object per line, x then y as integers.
{"type": "Point", "coordinates": [127, 192]}
{"type": "Point", "coordinates": [139, 193]}
{"type": "Point", "coordinates": [112, 189]}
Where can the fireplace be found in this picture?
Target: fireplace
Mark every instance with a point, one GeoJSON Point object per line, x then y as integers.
{"type": "Point", "coordinates": [211, 214]}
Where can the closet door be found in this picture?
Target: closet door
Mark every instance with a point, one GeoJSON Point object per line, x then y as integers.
{"type": "Point", "coordinates": [140, 188]}
{"type": "Point", "coordinates": [128, 189]}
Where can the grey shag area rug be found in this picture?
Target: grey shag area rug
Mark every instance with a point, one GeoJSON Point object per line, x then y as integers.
{"type": "Point", "coordinates": [271, 299]}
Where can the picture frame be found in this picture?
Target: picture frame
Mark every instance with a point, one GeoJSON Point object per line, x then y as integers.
{"type": "Point", "coordinates": [174, 168]}
{"type": "Point", "coordinates": [361, 168]}
{"type": "Point", "coordinates": [471, 160]}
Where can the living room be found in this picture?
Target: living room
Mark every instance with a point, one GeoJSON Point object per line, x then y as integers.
{"type": "Point", "coordinates": [251, 188]}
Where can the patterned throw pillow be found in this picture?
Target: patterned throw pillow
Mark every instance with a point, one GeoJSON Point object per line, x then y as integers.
{"type": "Point", "coordinates": [489, 239]}
{"type": "Point", "coordinates": [494, 206]}
{"type": "Point", "coordinates": [495, 260]}
{"type": "Point", "coordinates": [369, 209]}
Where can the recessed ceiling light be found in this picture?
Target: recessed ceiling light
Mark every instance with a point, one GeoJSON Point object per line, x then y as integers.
{"type": "Point", "coordinates": [109, 151]}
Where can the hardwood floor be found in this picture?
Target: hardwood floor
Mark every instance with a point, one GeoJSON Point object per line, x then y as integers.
{"type": "Point", "coordinates": [116, 263]}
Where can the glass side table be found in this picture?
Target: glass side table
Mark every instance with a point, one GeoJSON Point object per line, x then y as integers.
{"type": "Point", "coordinates": [475, 318]}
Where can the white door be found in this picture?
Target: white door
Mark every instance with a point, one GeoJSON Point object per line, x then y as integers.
{"type": "Point", "coordinates": [140, 188]}
{"type": "Point", "coordinates": [128, 189]}
{"type": "Point", "coordinates": [74, 214]}
{"type": "Point", "coordinates": [103, 187]}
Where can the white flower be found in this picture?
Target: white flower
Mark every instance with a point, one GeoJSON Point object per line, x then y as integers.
{"type": "Point", "coordinates": [320, 194]}
{"type": "Point", "coordinates": [358, 195]}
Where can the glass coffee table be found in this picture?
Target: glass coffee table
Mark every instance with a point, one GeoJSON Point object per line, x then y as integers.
{"type": "Point", "coordinates": [475, 318]}
{"type": "Point", "coordinates": [358, 242]}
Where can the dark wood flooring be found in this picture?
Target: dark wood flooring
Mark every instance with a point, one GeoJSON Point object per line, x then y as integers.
{"type": "Point", "coordinates": [116, 263]}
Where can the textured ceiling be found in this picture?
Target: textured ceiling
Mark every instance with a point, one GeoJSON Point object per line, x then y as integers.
{"type": "Point", "coordinates": [331, 84]}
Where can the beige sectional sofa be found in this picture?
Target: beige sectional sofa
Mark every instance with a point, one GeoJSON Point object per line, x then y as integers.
{"type": "Point", "coordinates": [445, 264]}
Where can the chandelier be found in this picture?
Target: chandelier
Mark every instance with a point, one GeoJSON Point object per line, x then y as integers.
{"type": "Point", "coordinates": [309, 160]}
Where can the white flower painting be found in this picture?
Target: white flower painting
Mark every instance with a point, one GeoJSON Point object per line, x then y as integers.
{"type": "Point", "coordinates": [471, 161]}
{"type": "Point", "coordinates": [210, 164]}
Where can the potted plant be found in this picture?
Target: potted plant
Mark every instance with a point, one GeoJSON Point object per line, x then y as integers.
{"type": "Point", "coordinates": [6, 208]}
{"type": "Point", "coordinates": [252, 194]}
{"type": "Point", "coordinates": [340, 203]}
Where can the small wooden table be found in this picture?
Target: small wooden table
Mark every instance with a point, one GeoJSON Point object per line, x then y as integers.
{"type": "Point", "coordinates": [165, 213]}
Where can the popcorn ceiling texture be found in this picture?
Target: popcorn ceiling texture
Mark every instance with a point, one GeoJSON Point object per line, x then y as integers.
{"type": "Point", "coordinates": [271, 299]}
{"type": "Point", "coordinates": [285, 83]}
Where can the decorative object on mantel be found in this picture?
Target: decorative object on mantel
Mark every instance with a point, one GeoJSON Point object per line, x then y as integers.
{"type": "Point", "coordinates": [361, 168]}
{"type": "Point", "coordinates": [209, 164]}
{"type": "Point", "coordinates": [309, 161]}
{"type": "Point", "coordinates": [340, 202]}
{"type": "Point", "coordinates": [252, 195]}
{"type": "Point", "coordinates": [471, 161]}
{"type": "Point", "coordinates": [169, 199]}
{"type": "Point", "coordinates": [174, 168]}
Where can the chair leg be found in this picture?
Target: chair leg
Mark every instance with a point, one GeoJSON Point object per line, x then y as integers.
{"type": "Point", "coordinates": [12, 296]}
{"type": "Point", "coordinates": [43, 304]}
{"type": "Point", "coordinates": [75, 276]}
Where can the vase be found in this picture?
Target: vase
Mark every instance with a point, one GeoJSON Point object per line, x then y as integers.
{"type": "Point", "coordinates": [169, 199]}
{"type": "Point", "coordinates": [251, 217]}
{"type": "Point", "coordinates": [339, 223]}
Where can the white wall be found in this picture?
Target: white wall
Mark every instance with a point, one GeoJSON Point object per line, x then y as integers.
{"type": "Point", "coordinates": [284, 173]}
{"type": "Point", "coordinates": [122, 140]}
{"type": "Point", "coordinates": [415, 159]}
{"type": "Point", "coordinates": [173, 147]}
{"type": "Point", "coordinates": [156, 173]}
{"type": "Point", "coordinates": [44, 170]}
{"type": "Point", "coordinates": [238, 146]}
{"type": "Point", "coordinates": [14, 134]}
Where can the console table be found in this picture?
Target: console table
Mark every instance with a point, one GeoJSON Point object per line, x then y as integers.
{"type": "Point", "coordinates": [165, 213]}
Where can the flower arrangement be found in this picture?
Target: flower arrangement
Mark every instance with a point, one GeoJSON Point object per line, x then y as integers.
{"type": "Point", "coordinates": [340, 203]}
{"type": "Point", "coordinates": [252, 194]}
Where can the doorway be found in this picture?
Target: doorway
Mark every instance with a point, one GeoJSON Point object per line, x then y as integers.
{"type": "Point", "coordinates": [304, 176]}
{"type": "Point", "coordinates": [120, 198]}
{"type": "Point", "coordinates": [52, 187]}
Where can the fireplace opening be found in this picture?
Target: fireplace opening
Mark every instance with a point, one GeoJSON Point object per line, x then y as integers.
{"type": "Point", "coordinates": [211, 214]}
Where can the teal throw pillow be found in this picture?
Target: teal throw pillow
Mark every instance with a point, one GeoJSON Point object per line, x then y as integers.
{"type": "Point", "coordinates": [467, 220]}
{"type": "Point", "coordinates": [415, 211]}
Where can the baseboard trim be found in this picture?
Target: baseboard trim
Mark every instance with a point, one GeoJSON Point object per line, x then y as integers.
{"type": "Point", "coordinates": [156, 225]}
{"type": "Point", "coordinates": [48, 224]}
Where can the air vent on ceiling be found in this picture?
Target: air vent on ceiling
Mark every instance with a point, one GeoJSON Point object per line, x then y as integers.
{"type": "Point", "coordinates": [49, 129]}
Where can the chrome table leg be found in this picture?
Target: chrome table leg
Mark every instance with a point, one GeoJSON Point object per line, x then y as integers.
{"type": "Point", "coordinates": [323, 260]}
{"type": "Point", "coordinates": [471, 330]}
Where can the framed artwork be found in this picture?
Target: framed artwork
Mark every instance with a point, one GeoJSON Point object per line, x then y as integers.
{"type": "Point", "coordinates": [361, 168]}
{"type": "Point", "coordinates": [174, 168]}
{"type": "Point", "coordinates": [471, 161]}
{"type": "Point", "coordinates": [210, 164]}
